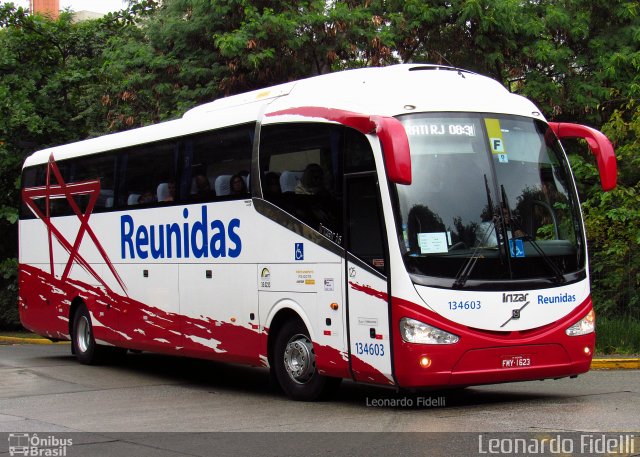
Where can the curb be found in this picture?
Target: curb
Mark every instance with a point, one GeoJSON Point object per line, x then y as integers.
{"type": "Point", "coordinates": [18, 340]}
{"type": "Point", "coordinates": [629, 363]}
{"type": "Point", "coordinates": [626, 363]}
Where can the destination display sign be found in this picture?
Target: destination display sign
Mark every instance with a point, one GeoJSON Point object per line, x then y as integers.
{"type": "Point", "coordinates": [441, 129]}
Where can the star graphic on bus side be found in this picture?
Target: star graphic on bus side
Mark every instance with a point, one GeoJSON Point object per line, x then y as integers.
{"type": "Point", "coordinates": [67, 191]}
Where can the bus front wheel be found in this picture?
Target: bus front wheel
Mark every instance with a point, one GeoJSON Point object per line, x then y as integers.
{"type": "Point", "coordinates": [84, 344]}
{"type": "Point", "coordinates": [295, 364]}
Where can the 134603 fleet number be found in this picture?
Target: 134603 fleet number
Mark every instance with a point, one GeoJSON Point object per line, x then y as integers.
{"type": "Point", "coordinates": [466, 304]}
{"type": "Point", "coordinates": [375, 349]}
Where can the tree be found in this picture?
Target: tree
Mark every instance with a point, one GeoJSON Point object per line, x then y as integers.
{"type": "Point", "coordinates": [191, 52]}
{"type": "Point", "coordinates": [47, 68]}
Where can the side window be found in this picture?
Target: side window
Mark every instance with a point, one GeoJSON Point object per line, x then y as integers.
{"type": "Point", "coordinates": [364, 233]}
{"type": "Point", "coordinates": [33, 177]}
{"type": "Point", "coordinates": [60, 206]}
{"type": "Point", "coordinates": [301, 168]}
{"type": "Point", "coordinates": [148, 175]}
{"type": "Point", "coordinates": [217, 164]}
{"type": "Point", "coordinates": [364, 219]}
{"type": "Point", "coordinates": [100, 168]}
{"type": "Point", "coordinates": [94, 168]}
{"type": "Point", "coordinates": [358, 156]}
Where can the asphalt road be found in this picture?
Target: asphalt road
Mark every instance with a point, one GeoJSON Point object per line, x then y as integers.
{"type": "Point", "coordinates": [122, 406]}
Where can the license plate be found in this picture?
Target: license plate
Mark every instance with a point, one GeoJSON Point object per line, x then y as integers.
{"type": "Point", "coordinates": [516, 361]}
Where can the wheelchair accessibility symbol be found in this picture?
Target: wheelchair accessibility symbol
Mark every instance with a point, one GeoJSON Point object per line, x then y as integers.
{"type": "Point", "coordinates": [516, 247]}
{"type": "Point", "coordinates": [299, 251]}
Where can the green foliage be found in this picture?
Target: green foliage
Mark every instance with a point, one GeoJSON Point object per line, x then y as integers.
{"type": "Point", "coordinates": [154, 72]}
{"type": "Point", "coordinates": [9, 297]}
{"type": "Point", "coordinates": [618, 335]}
{"type": "Point", "coordinates": [613, 219]}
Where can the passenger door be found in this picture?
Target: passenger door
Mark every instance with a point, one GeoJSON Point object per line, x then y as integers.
{"type": "Point", "coordinates": [366, 283]}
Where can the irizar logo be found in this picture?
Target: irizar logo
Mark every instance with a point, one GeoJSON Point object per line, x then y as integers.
{"type": "Point", "coordinates": [199, 238]}
{"type": "Point", "coordinates": [514, 298]}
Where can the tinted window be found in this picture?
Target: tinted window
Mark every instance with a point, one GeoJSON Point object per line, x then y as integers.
{"type": "Point", "coordinates": [148, 174]}
{"type": "Point", "coordinates": [217, 164]}
{"type": "Point", "coordinates": [303, 165]}
{"type": "Point", "coordinates": [305, 160]}
{"type": "Point", "coordinates": [364, 220]}
{"type": "Point", "coordinates": [33, 177]}
{"type": "Point", "coordinates": [83, 170]}
{"type": "Point", "coordinates": [101, 168]}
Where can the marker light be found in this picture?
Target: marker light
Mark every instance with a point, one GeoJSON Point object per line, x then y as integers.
{"type": "Point", "coordinates": [414, 331]}
{"type": "Point", "coordinates": [587, 350]}
{"type": "Point", "coordinates": [584, 326]}
{"type": "Point", "coordinates": [425, 362]}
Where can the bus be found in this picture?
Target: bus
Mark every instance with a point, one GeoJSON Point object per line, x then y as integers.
{"type": "Point", "coordinates": [412, 226]}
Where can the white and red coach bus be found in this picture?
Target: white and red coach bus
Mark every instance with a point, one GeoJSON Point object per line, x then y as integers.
{"type": "Point", "coordinates": [412, 226]}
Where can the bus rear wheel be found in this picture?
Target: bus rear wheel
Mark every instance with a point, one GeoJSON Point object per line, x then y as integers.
{"type": "Point", "coordinates": [84, 344]}
{"type": "Point", "coordinates": [295, 364]}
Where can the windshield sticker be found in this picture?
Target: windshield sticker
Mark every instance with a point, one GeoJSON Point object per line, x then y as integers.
{"type": "Point", "coordinates": [516, 247]}
{"type": "Point", "coordinates": [497, 146]}
{"type": "Point", "coordinates": [432, 243]}
{"type": "Point", "coordinates": [496, 140]}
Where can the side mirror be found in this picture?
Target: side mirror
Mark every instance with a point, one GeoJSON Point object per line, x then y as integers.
{"type": "Point", "coordinates": [395, 147]}
{"type": "Point", "coordinates": [599, 145]}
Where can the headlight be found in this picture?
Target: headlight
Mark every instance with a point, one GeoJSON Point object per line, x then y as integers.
{"type": "Point", "coordinates": [414, 331]}
{"type": "Point", "coordinates": [584, 326]}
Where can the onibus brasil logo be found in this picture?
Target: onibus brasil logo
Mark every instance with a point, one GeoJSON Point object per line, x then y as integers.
{"type": "Point", "coordinates": [30, 444]}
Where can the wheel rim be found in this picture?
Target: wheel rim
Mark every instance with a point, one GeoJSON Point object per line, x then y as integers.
{"type": "Point", "coordinates": [83, 334]}
{"type": "Point", "coordinates": [299, 359]}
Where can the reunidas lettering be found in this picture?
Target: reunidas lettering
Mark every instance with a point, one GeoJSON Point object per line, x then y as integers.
{"type": "Point", "coordinates": [560, 298]}
{"type": "Point", "coordinates": [174, 240]}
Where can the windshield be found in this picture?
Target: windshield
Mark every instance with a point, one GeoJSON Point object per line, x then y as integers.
{"type": "Point", "coordinates": [491, 199]}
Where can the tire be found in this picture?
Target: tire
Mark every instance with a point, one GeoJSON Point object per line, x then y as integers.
{"type": "Point", "coordinates": [84, 344]}
{"type": "Point", "coordinates": [295, 367]}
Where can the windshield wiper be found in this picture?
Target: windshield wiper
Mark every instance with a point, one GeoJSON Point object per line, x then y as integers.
{"type": "Point", "coordinates": [559, 276]}
{"type": "Point", "coordinates": [465, 271]}
{"type": "Point", "coordinates": [463, 274]}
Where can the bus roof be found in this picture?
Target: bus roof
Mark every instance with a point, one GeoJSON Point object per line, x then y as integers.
{"type": "Point", "coordinates": [386, 91]}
